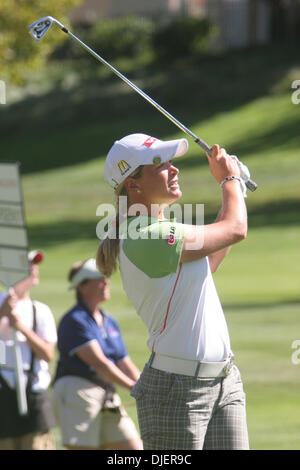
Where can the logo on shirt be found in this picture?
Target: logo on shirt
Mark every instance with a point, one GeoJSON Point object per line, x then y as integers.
{"type": "Point", "coordinates": [170, 239]}
{"type": "Point", "coordinates": [112, 332]}
{"type": "Point", "coordinates": [123, 167]}
{"type": "Point", "coordinates": [150, 141]}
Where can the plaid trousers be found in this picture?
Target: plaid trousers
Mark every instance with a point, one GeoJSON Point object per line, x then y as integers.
{"type": "Point", "coordinates": [177, 412]}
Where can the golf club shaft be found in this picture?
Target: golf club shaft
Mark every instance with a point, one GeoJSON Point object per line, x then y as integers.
{"type": "Point", "coordinates": [251, 185]}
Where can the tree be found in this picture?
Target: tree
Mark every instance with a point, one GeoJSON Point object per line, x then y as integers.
{"type": "Point", "coordinates": [19, 53]}
{"type": "Point", "coordinates": [286, 19]}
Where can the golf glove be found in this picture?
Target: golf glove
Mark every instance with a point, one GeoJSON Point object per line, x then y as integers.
{"type": "Point", "coordinates": [244, 174]}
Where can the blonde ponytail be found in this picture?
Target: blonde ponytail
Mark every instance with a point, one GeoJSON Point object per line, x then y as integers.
{"type": "Point", "coordinates": [108, 252]}
{"type": "Point", "coordinates": [107, 256]}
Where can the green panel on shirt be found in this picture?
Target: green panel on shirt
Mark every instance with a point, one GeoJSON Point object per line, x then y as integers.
{"type": "Point", "coordinates": [158, 249]}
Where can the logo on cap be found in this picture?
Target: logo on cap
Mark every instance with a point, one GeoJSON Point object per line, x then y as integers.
{"type": "Point", "coordinates": [123, 167]}
{"type": "Point", "coordinates": [156, 160]}
{"type": "Point", "coordinates": [150, 141]}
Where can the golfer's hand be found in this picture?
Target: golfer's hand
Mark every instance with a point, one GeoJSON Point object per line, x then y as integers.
{"type": "Point", "coordinates": [221, 164]}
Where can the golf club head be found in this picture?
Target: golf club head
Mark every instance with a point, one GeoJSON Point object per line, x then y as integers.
{"type": "Point", "coordinates": [39, 28]}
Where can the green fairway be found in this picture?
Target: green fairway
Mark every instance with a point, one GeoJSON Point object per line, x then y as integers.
{"type": "Point", "coordinates": [61, 137]}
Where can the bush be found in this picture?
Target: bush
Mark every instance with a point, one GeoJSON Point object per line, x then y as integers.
{"type": "Point", "coordinates": [182, 37]}
{"type": "Point", "coordinates": [120, 37]}
{"type": "Point", "coordinates": [134, 37]}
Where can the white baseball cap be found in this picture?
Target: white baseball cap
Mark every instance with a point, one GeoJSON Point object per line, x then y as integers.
{"type": "Point", "coordinates": [87, 271]}
{"type": "Point", "coordinates": [127, 154]}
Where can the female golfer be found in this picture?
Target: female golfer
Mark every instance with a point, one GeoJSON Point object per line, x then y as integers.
{"type": "Point", "coordinates": [190, 394]}
{"type": "Point", "coordinates": [93, 358]}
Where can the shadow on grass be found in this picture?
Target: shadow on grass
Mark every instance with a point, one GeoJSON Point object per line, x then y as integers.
{"type": "Point", "coordinates": [78, 122]}
{"type": "Point", "coordinates": [281, 212]}
{"type": "Point", "coordinates": [262, 305]}
{"type": "Point", "coordinates": [51, 234]}
{"type": "Point", "coordinates": [285, 135]}
{"type": "Point", "coordinates": [286, 212]}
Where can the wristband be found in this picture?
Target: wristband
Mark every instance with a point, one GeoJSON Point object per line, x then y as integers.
{"type": "Point", "coordinates": [229, 178]}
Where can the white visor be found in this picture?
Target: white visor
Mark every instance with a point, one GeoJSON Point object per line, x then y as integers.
{"type": "Point", "coordinates": [88, 271]}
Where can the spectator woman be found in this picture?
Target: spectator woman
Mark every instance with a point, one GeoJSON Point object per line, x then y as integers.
{"type": "Point", "coordinates": [93, 360]}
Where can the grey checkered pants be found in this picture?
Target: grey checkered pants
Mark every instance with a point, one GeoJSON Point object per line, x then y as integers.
{"type": "Point", "coordinates": [177, 412]}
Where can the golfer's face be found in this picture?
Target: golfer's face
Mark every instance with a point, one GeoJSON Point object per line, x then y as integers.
{"type": "Point", "coordinates": [159, 183]}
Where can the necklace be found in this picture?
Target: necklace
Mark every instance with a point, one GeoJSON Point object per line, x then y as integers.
{"type": "Point", "coordinates": [100, 322]}
{"type": "Point", "coordinates": [103, 332]}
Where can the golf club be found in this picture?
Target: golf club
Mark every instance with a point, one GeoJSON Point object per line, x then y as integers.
{"type": "Point", "coordinates": [39, 28]}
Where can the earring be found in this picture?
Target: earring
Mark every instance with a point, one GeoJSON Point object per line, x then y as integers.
{"type": "Point", "coordinates": [138, 191]}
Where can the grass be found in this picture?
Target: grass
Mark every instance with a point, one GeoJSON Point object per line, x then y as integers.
{"type": "Point", "coordinates": [61, 132]}
{"type": "Point", "coordinates": [263, 337]}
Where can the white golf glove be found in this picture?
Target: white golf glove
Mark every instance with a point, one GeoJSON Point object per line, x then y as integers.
{"type": "Point", "coordinates": [244, 174]}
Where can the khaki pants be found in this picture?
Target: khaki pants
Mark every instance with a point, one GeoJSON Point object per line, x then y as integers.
{"type": "Point", "coordinates": [31, 441]}
{"type": "Point", "coordinates": [83, 422]}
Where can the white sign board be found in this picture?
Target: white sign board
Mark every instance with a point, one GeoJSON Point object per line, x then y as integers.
{"type": "Point", "coordinates": [14, 265]}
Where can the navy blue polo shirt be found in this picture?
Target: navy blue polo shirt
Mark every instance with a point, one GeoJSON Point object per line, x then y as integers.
{"type": "Point", "coordinates": [77, 328]}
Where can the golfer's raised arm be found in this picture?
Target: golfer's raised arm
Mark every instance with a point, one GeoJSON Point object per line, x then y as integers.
{"type": "Point", "coordinates": [201, 241]}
